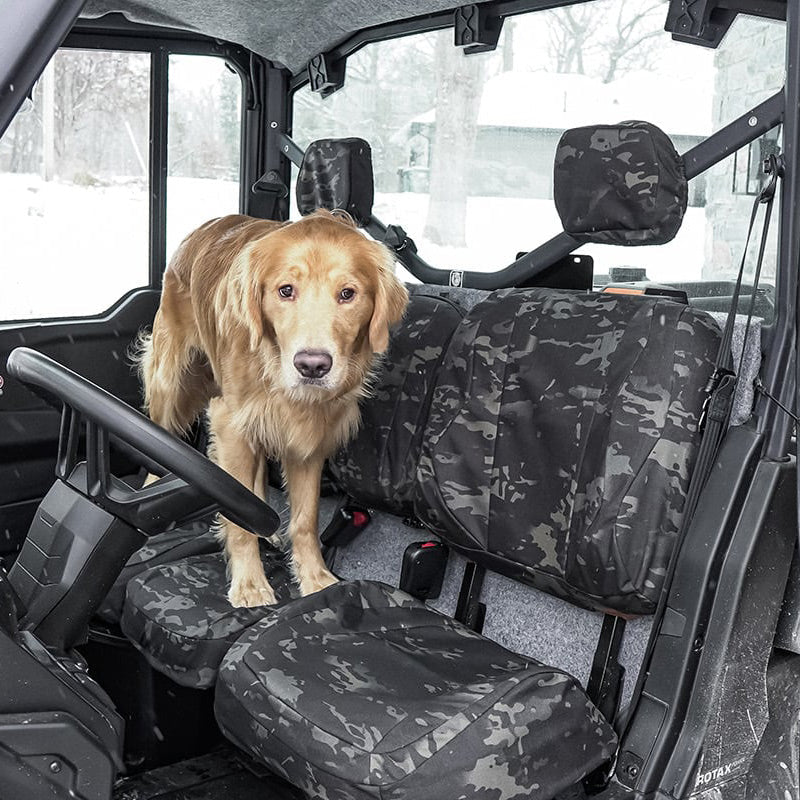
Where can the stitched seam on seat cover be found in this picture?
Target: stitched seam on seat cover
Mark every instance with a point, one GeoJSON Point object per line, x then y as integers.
{"type": "Point", "coordinates": [439, 750]}
{"type": "Point", "coordinates": [637, 593]}
{"type": "Point", "coordinates": [614, 399]}
{"type": "Point", "coordinates": [180, 637]}
{"type": "Point", "coordinates": [503, 384]}
{"type": "Point", "coordinates": [466, 396]}
{"type": "Point", "coordinates": [171, 632]}
{"type": "Point", "coordinates": [606, 394]}
{"type": "Point", "coordinates": [263, 727]}
{"type": "Point", "coordinates": [506, 689]}
{"type": "Point", "coordinates": [421, 418]}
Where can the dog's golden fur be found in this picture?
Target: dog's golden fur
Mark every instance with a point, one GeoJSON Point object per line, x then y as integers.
{"type": "Point", "coordinates": [226, 339]}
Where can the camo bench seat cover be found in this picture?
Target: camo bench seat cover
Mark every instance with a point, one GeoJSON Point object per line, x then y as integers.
{"type": "Point", "coordinates": [179, 617]}
{"type": "Point", "coordinates": [361, 691]}
{"type": "Point", "coordinates": [196, 538]}
{"type": "Point", "coordinates": [378, 467]}
{"type": "Point", "coordinates": [561, 437]}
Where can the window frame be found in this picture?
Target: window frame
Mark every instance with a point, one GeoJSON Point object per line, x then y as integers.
{"type": "Point", "coordinates": [116, 33]}
{"type": "Point", "coordinates": [90, 35]}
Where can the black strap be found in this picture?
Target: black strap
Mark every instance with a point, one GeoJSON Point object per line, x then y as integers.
{"type": "Point", "coordinates": [469, 610]}
{"type": "Point", "coordinates": [607, 675]}
{"type": "Point", "coordinates": [722, 384]}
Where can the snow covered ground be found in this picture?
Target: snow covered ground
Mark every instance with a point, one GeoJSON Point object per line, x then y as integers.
{"type": "Point", "coordinates": [498, 228]}
{"type": "Point", "coordinates": [68, 250]}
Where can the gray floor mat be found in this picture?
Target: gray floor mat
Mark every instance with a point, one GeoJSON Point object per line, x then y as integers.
{"type": "Point", "coordinates": [520, 618]}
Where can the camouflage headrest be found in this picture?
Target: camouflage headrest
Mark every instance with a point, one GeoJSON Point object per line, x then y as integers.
{"type": "Point", "coordinates": [337, 173]}
{"type": "Point", "coordinates": [619, 184]}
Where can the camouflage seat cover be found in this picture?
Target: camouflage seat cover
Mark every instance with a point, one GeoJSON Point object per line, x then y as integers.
{"type": "Point", "coordinates": [561, 438]}
{"type": "Point", "coordinates": [619, 184]}
{"type": "Point", "coordinates": [179, 617]}
{"type": "Point", "coordinates": [192, 539]}
{"type": "Point", "coordinates": [360, 691]}
{"type": "Point", "coordinates": [378, 467]}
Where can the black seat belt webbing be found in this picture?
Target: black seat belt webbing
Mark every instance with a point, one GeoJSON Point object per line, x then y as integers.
{"type": "Point", "coordinates": [722, 384]}
{"type": "Point", "coordinates": [469, 610]}
{"type": "Point", "coordinates": [717, 408]}
{"type": "Point", "coordinates": [607, 675]}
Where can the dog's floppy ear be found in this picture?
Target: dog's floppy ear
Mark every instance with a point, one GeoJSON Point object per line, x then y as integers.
{"type": "Point", "coordinates": [245, 300]}
{"type": "Point", "coordinates": [391, 299]}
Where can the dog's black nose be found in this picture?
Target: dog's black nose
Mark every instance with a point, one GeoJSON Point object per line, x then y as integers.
{"type": "Point", "coordinates": [313, 363]}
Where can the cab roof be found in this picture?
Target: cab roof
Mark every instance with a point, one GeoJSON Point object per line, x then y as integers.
{"type": "Point", "coordinates": [289, 32]}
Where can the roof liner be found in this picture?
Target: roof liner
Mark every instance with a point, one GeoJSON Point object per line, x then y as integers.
{"type": "Point", "coordinates": [287, 31]}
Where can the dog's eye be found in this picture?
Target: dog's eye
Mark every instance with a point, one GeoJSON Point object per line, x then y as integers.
{"type": "Point", "coordinates": [346, 295]}
{"type": "Point", "coordinates": [286, 291]}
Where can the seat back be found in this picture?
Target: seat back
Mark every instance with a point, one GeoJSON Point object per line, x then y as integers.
{"type": "Point", "coordinates": [561, 438]}
{"type": "Point", "coordinates": [378, 467]}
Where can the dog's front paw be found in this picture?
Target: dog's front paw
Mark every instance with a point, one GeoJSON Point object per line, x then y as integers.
{"type": "Point", "coordinates": [321, 579]}
{"type": "Point", "coordinates": [251, 593]}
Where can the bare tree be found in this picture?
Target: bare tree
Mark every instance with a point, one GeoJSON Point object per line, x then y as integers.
{"type": "Point", "coordinates": [624, 47]}
{"type": "Point", "coordinates": [587, 41]}
{"type": "Point", "coordinates": [571, 30]}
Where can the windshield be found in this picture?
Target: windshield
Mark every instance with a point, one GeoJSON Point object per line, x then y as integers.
{"type": "Point", "coordinates": [463, 146]}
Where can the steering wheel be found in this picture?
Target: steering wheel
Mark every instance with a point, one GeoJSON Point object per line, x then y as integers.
{"type": "Point", "coordinates": [194, 485]}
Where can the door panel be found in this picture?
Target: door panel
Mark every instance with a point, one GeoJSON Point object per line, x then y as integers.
{"type": "Point", "coordinates": [97, 348]}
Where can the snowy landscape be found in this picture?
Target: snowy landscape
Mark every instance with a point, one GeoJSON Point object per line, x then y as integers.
{"type": "Point", "coordinates": [74, 232]}
{"type": "Point", "coordinates": [56, 260]}
{"type": "Point", "coordinates": [62, 253]}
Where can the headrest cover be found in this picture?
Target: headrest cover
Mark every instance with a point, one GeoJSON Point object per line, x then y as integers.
{"type": "Point", "coordinates": [619, 184]}
{"type": "Point", "coordinates": [337, 174]}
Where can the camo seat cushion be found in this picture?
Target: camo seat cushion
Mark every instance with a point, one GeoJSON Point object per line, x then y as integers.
{"type": "Point", "coordinates": [561, 438]}
{"type": "Point", "coordinates": [179, 617]}
{"type": "Point", "coordinates": [361, 691]}
{"type": "Point", "coordinates": [378, 467]}
{"type": "Point", "coordinates": [196, 538]}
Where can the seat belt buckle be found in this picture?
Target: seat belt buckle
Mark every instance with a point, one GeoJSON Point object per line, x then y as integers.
{"type": "Point", "coordinates": [348, 522]}
{"type": "Point", "coordinates": [719, 397]}
{"type": "Point", "coordinates": [422, 573]}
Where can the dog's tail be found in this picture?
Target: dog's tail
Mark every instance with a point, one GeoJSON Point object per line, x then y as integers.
{"type": "Point", "coordinates": [140, 355]}
{"type": "Point", "coordinates": [176, 379]}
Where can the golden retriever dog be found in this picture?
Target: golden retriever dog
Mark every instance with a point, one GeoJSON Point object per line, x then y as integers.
{"type": "Point", "coordinates": [272, 327]}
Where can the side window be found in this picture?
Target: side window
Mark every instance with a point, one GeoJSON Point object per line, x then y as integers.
{"type": "Point", "coordinates": [205, 102]}
{"type": "Point", "coordinates": [74, 169]}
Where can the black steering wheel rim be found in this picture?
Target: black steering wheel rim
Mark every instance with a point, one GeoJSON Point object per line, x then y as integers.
{"type": "Point", "coordinates": [108, 415]}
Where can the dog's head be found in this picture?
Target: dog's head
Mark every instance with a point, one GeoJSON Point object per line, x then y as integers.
{"type": "Point", "coordinates": [318, 299]}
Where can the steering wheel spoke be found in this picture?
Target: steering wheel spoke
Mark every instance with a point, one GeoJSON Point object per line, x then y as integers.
{"type": "Point", "coordinates": [193, 486]}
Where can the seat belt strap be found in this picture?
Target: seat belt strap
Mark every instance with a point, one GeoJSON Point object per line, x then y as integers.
{"type": "Point", "coordinates": [714, 420]}
{"type": "Point", "coordinates": [722, 384]}
{"type": "Point", "coordinates": [607, 675]}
